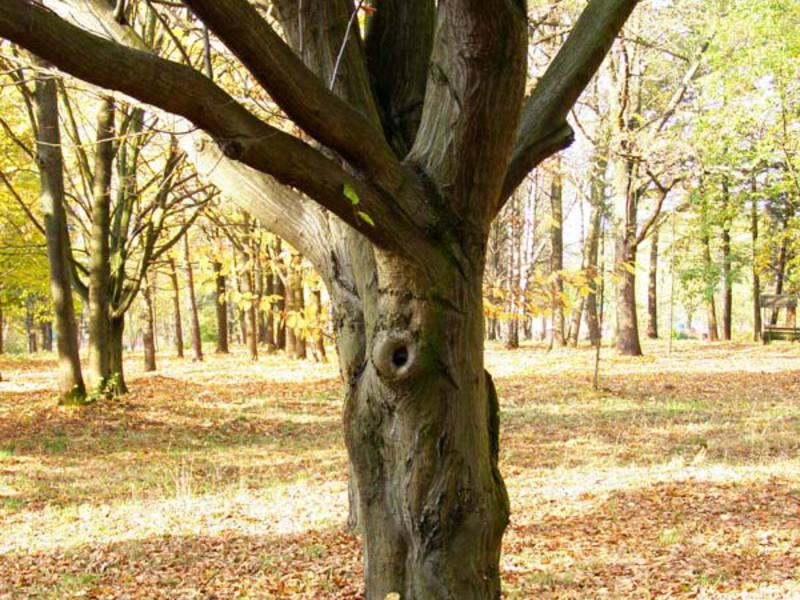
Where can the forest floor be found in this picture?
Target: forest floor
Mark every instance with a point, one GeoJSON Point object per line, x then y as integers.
{"type": "Point", "coordinates": [680, 478]}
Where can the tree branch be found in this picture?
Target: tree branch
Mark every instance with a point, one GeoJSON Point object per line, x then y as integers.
{"type": "Point", "coordinates": [304, 97]}
{"type": "Point", "coordinates": [398, 46]}
{"type": "Point", "coordinates": [543, 127]}
{"type": "Point", "coordinates": [183, 91]}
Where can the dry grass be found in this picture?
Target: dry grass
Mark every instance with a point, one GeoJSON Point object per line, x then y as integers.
{"type": "Point", "coordinates": [680, 479]}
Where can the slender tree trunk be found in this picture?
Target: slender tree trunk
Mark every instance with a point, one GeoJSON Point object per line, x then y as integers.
{"type": "Point", "coordinates": [47, 336]}
{"type": "Point", "coordinates": [627, 321]}
{"type": "Point", "coordinates": [30, 331]}
{"type": "Point", "coordinates": [148, 327]}
{"type": "Point", "coordinates": [2, 332]}
{"type": "Point", "coordinates": [176, 307]}
{"type": "Point", "coordinates": [513, 275]}
{"type": "Point", "coordinates": [221, 301]}
{"type": "Point", "coordinates": [652, 287]}
{"type": "Point", "coordinates": [290, 312]}
{"type": "Point", "coordinates": [727, 268]}
{"type": "Point", "coordinates": [557, 252]}
{"type": "Point", "coordinates": [197, 343]}
{"type": "Point", "coordinates": [250, 318]}
{"type": "Point", "coordinates": [270, 316]}
{"type": "Point", "coordinates": [99, 256]}
{"type": "Point", "coordinates": [592, 261]}
{"type": "Point", "coordinates": [756, 276]}
{"type": "Point", "coordinates": [713, 330]}
{"type": "Point", "coordinates": [575, 324]}
{"type": "Point", "coordinates": [116, 365]}
{"type": "Point", "coordinates": [295, 304]}
{"type": "Point", "coordinates": [319, 334]}
{"type": "Point", "coordinates": [258, 277]}
{"type": "Point", "coordinates": [71, 388]}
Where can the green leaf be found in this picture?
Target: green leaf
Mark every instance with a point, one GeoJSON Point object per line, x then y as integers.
{"type": "Point", "coordinates": [366, 217]}
{"type": "Point", "coordinates": [351, 194]}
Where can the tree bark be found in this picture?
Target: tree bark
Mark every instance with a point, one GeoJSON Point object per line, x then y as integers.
{"type": "Point", "coordinates": [557, 252]}
{"type": "Point", "coordinates": [99, 255]}
{"type": "Point", "coordinates": [30, 331]}
{"type": "Point", "coordinates": [270, 316]}
{"type": "Point", "coordinates": [295, 304]}
{"type": "Point", "coordinates": [756, 274]}
{"type": "Point", "coordinates": [652, 288]}
{"type": "Point", "coordinates": [71, 388]}
{"type": "Point", "coordinates": [627, 321]}
{"type": "Point", "coordinates": [176, 307]}
{"type": "Point", "coordinates": [221, 301]}
{"type": "Point", "coordinates": [727, 267]}
{"type": "Point", "coordinates": [713, 330]}
{"type": "Point", "coordinates": [117, 383]}
{"type": "Point", "coordinates": [47, 336]}
{"type": "Point", "coordinates": [319, 334]}
{"type": "Point", "coordinates": [250, 300]}
{"type": "Point", "coordinates": [197, 342]}
{"type": "Point", "coordinates": [148, 327]}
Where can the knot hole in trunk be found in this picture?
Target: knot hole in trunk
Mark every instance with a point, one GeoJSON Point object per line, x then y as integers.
{"type": "Point", "coordinates": [395, 355]}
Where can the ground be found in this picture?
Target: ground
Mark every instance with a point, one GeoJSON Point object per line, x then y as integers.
{"type": "Point", "coordinates": [679, 478]}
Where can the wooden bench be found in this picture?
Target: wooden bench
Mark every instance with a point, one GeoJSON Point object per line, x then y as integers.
{"type": "Point", "coordinates": [771, 307]}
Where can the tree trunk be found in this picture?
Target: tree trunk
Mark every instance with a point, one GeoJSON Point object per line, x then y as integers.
{"type": "Point", "coordinates": [176, 307]}
{"type": "Point", "coordinates": [627, 321]}
{"type": "Point", "coordinates": [99, 254]}
{"type": "Point", "coordinates": [756, 276]}
{"type": "Point", "coordinates": [592, 269]}
{"type": "Point", "coordinates": [47, 336]}
{"type": "Point", "coordinates": [783, 259]}
{"type": "Point", "coordinates": [197, 343]}
{"type": "Point", "coordinates": [259, 289]}
{"type": "Point", "coordinates": [270, 316]}
{"type": "Point", "coordinates": [2, 332]}
{"type": "Point", "coordinates": [575, 324]}
{"type": "Point", "coordinates": [221, 302]}
{"type": "Point", "coordinates": [319, 334]}
{"type": "Point", "coordinates": [713, 330]}
{"type": "Point", "coordinates": [117, 381]}
{"type": "Point", "coordinates": [280, 305]}
{"type": "Point", "coordinates": [295, 304]}
{"type": "Point", "coordinates": [148, 327]}
{"type": "Point", "coordinates": [557, 253]}
{"type": "Point", "coordinates": [727, 268]}
{"type": "Point", "coordinates": [30, 331]}
{"type": "Point", "coordinates": [652, 288]}
{"type": "Point", "coordinates": [250, 299]}
{"type": "Point", "coordinates": [431, 501]}
{"type": "Point", "coordinates": [71, 388]}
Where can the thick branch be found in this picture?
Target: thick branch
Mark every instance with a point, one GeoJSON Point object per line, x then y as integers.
{"type": "Point", "coordinates": [181, 90]}
{"type": "Point", "coordinates": [399, 45]}
{"type": "Point", "coordinates": [304, 97]}
{"type": "Point", "coordinates": [316, 31]}
{"type": "Point", "coordinates": [544, 115]}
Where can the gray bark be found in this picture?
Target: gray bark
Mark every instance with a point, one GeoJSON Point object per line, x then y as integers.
{"type": "Point", "coordinates": [71, 388]}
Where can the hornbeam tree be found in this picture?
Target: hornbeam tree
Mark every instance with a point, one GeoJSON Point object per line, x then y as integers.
{"type": "Point", "coordinates": [414, 134]}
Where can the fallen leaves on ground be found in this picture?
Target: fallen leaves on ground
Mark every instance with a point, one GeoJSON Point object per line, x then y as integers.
{"type": "Point", "coordinates": [680, 478]}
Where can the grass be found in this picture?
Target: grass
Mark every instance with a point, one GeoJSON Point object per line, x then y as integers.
{"type": "Point", "coordinates": [680, 478]}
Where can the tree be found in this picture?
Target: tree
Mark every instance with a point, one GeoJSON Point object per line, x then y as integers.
{"type": "Point", "coordinates": [401, 241]}
{"type": "Point", "coordinates": [71, 388]}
